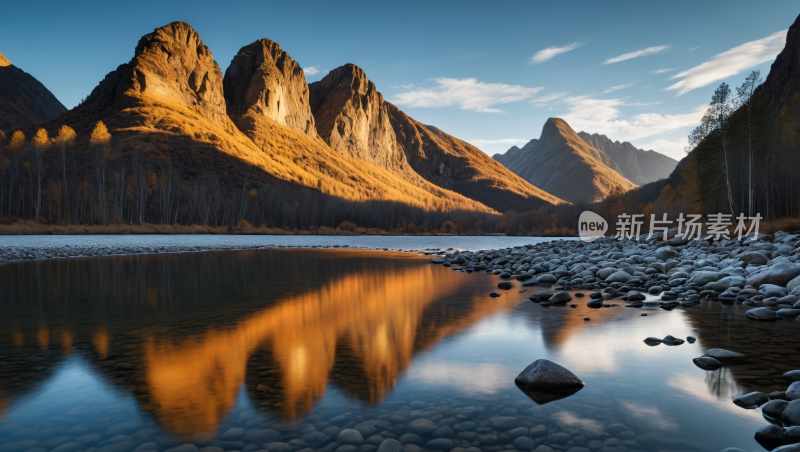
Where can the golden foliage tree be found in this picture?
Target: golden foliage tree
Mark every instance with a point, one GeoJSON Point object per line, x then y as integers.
{"type": "Point", "coordinates": [100, 142]}
{"type": "Point", "coordinates": [41, 143]}
{"type": "Point", "coordinates": [64, 141]}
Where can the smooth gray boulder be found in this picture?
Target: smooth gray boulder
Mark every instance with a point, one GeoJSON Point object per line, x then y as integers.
{"type": "Point", "coordinates": [793, 375]}
{"type": "Point", "coordinates": [752, 400]}
{"type": "Point", "coordinates": [793, 393]}
{"type": "Point", "coordinates": [707, 363]}
{"type": "Point", "coordinates": [774, 409]}
{"type": "Point", "coordinates": [754, 258]}
{"type": "Point", "coordinates": [763, 314]}
{"type": "Point", "coordinates": [390, 445]}
{"type": "Point", "coordinates": [665, 253]}
{"type": "Point", "coordinates": [725, 283]}
{"type": "Point", "coordinates": [724, 356]}
{"type": "Point", "coordinates": [619, 276]}
{"type": "Point", "coordinates": [793, 284]}
{"type": "Point", "coordinates": [791, 413]}
{"type": "Point", "coordinates": [546, 278]}
{"type": "Point", "coordinates": [702, 278]}
{"type": "Point", "coordinates": [561, 297]}
{"type": "Point", "coordinates": [779, 274]}
{"type": "Point", "coordinates": [771, 290]}
{"type": "Point", "coordinates": [548, 377]}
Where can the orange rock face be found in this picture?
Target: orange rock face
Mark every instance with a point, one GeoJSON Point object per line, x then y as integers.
{"type": "Point", "coordinates": [173, 64]}
{"type": "Point", "coordinates": [263, 80]}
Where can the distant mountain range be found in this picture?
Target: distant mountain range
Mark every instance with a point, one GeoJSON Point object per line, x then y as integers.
{"type": "Point", "coordinates": [261, 122]}
{"type": "Point", "coordinates": [544, 162]}
{"type": "Point", "coordinates": [562, 163]}
{"type": "Point", "coordinates": [259, 127]}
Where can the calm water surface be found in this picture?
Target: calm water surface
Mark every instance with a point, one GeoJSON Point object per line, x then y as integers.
{"type": "Point", "coordinates": [237, 349]}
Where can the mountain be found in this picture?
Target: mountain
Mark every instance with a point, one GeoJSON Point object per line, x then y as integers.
{"type": "Point", "coordinates": [356, 121]}
{"type": "Point", "coordinates": [24, 101]}
{"type": "Point", "coordinates": [561, 163]}
{"type": "Point", "coordinates": [263, 80]}
{"type": "Point", "coordinates": [169, 103]}
{"type": "Point", "coordinates": [637, 165]}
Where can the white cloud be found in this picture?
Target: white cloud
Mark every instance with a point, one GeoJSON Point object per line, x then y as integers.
{"type": "Point", "coordinates": [694, 48]}
{"type": "Point", "coordinates": [672, 146]}
{"type": "Point", "coordinates": [730, 62]}
{"type": "Point", "coordinates": [543, 101]}
{"type": "Point", "coordinates": [643, 104]}
{"type": "Point", "coordinates": [504, 141]}
{"type": "Point", "coordinates": [467, 94]}
{"type": "Point", "coordinates": [603, 116]}
{"type": "Point", "coordinates": [618, 87]}
{"type": "Point", "coordinates": [636, 54]}
{"type": "Point", "coordinates": [661, 71]}
{"type": "Point", "coordinates": [548, 53]}
{"type": "Point", "coordinates": [313, 70]}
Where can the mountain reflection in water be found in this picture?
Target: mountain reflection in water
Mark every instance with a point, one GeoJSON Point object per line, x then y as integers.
{"type": "Point", "coordinates": [278, 343]}
{"type": "Point", "coordinates": [352, 317]}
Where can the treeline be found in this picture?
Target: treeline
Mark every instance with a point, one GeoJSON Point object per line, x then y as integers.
{"type": "Point", "coordinates": [743, 159]}
{"type": "Point", "coordinates": [48, 179]}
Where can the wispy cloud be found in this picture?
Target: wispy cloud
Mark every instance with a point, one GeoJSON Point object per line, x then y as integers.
{"type": "Point", "coordinates": [503, 141]}
{"type": "Point", "coordinates": [694, 48]}
{"type": "Point", "coordinates": [544, 101]}
{"type": "Point", "coordinates": [604, 116]}
{"type": "Point", "coordinates": [313, 70]}
{"type": "Point", "coordinates": [618, 87]}
{"type": "Point", "coordinates": [661, 71]}
{"type": "Point", "coordinates": [548, 53]}
{"type": "Point", "coordinates": [641, 104]}
{"type": "Point", "coordinates": [636, 54]}
{"type": "Point", "coordinates": [730, 62]}
{"type": "Point", "coordinates": [467, 94]}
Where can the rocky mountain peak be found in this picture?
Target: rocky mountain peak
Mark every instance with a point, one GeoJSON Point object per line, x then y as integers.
{"type": "Point", "coordinates": [352, 117]}
{"type": "Point", "coordinates": [262, 79]}
{"type": "Point", "coordinates": [4, 61]}
{"type": "Point", "coordinates": [172, 63]}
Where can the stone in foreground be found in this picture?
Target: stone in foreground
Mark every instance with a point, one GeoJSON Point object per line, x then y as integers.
{"type": "Point", "coordinates": [545, 381]}
{"type": "Point", "coordinates": [707, 363]}
{"type": "Point", "coordinates": [723, 356]}
{"type": "Point", "coordinates": [752, 400]}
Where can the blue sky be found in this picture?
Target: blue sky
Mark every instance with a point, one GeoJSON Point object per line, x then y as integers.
{"type": "Point", "coordinates": [489, 73]}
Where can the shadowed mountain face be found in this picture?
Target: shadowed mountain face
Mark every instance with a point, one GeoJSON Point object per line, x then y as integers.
{"type": "Point", "coordinates": [562, 163]}
{"type": "Point", "coordinates": [168, 102]}
{"type": "Point", "coordinates": [355, 120]}
{"type": "Point", "coordinates": [24, 101]}
{"type": "Point", "coordinates": [637, 165]}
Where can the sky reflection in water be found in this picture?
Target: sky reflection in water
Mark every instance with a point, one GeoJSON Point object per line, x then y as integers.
{"type": "Point", "coordinates": [263, 338]}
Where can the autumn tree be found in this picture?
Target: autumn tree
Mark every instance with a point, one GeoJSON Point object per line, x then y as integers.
{"type": "Point", "coordinates": [64, 142]}
{"type": "Point", "coordinates": [16, 147]}
{"type": "Point", "coordinates": [39, 146]}
{"type": "Point", "coordinates": [100, 143]}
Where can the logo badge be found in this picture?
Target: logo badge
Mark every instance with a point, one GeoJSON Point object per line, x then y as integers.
{"type": "Point", "coordinates": [591, 226]}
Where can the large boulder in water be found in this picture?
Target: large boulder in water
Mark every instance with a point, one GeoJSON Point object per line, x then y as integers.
{"type": "Point", "coordinates": [545, 381]}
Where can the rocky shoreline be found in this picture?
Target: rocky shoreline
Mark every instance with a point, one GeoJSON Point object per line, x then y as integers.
{"type": "Point", "coordinates": [762, 272]}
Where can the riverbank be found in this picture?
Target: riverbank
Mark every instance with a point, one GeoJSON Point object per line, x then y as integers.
{"type": "Point", "coordinates": [762, 271]}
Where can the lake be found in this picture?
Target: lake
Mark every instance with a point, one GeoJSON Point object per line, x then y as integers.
{"type": "Point", "coordinates": [284, 349]}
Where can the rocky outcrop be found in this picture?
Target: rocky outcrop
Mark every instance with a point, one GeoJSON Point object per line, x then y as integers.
{"type": "Point", "coordinates": [514, 153]}
{"type": "Point", "coordinates": [173, 64]}
{"type": "Point", "coordinates": [355, 120]}
{"type": "Point", "coordinates": [636, 165]}
{"type": "Point", "coordinates": [24, 101]}
{"type": "Point", "coordinates": [351, 116]}
{"type": "Point", "coordinates": [263, 80]}
{"type": "Point", "coordinates": [563, 164]}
